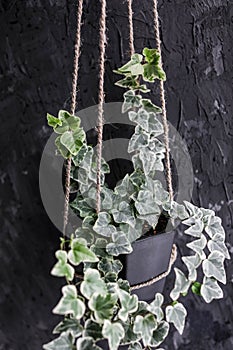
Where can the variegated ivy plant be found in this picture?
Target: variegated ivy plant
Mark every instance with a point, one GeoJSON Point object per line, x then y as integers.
{"type": "Point", "coordinates": [101, 305]}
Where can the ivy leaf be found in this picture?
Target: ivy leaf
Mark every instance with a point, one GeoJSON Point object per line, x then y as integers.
{"type": "Point", "coordinates": [86, 343]}
{"type": "Point", "coordinates": [134, 66]}
{"type": "Point", "coordinates": [64, 342]}
{"type": "Point", "coordinates": [102, 306]}
{"type": "Point", "coordinates": [196, 229]}
{"type": "Point", "coordinates": [73, 141]}
{"type": "Point", "coordinates": [114, 332]}
{"type": "Point", "coordinates": [53, 121]}
{"type": "Point", "coordinates": [93, 330]}
{"type": "Point", "coordinates": [155, 307]}
{"type": "Point", "coordinates": [120, 244]}
{"type": "Point", "coordinates": [135, 346]}
{"type": "Point", "coordinates": [123, 214]}
{"type": "Point", "coordinates": [70, 303]}
{"type": "Point", "coordinates": [125, 188]}
{"type": "Point", "coordinates": [129, 82]}
{"type": "Point", "coordinates": [131, 100]}
{"type": "Point", "coordinates": [213, 266]}
{"type": "Point", "coordinates": [107, 265]}
{"type": "Point", "coordinates": [132, 233]}
{"type": "Point", "coordinates": [150, 160]}
{"type": "Point", "coordinates": [145, 326]}
{"type": "Point", "coordinates": [103, 226]}
{"type": "Point", "coordinates": [214, 226]}
{"type": "Point", "coordinates": [181, 285]}
{"type": "Point", "coordinates": [92, 283]}
{"type": "Point", "coordinates": [62, 149]}
{"type": "Point", "coordinates": [62, 268]}
{"type": "Point", "coordinates": [150, 107]}
{"type": "Point", "coordinates": [152, 69]}
{"type": "Point", "coordinates": [192, 262]}
{"type": "Point", "coordinates": [210, 290]}
{"type": "Point", "coordinates": [80, 252]}
{"type": "Point", "coordinates": [160, 334]}
{"type": "Point", "coordinates": [217, 244]}
{"type": "Point", "coordinates": [178, 211]}
{"type": "Point", "coordinates": [198, 246]}
{"type": "Point", "coordinates": [176, 314]}
{"type": "Point", "coordinates": [69, 324]}
{"type": "Point", "coordinates": [141, 117]}
{"type": "Point", "coordinates": [129, 304]}
{"type": "Point", "coordinates": [139, 139]}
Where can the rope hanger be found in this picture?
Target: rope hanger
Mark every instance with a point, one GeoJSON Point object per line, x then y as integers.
{"type": "Point", "coordinates": [102, 46]}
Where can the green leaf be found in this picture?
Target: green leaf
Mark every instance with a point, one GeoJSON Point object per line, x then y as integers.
{"type": "Point", "coordinates": [155, 307]}
{"type": "Point", "coordinates": [150, 107]}
{"type": "Point", "coordinates": [92, 283]}
{"type": "Point", "coordinates": [160, 334]}
{"type": "Point", "coordinates": [145, 326]}
{"type": "Point", "coordinates": [131, 100]}
{"type": "Point", "coordinates": [135, 346]}
{"type": "Point", "coordinates": [80, 252]}
{"type": "Point", "coordinates": [86, 343]}
{"type": "Point", "coordinates": [152, 69]}
{"type": "Point", "coordinates": [176, 314]}
{"type": "Point", "coordinates": [73, 141]}
{"type": "Point", "coordinates": [129, 82]}
{"type": "Point", "coordinates": [69, 324]}
{"type": "Point", "coordinates": [196, 288]}
{"type": "Point", "coordinates": [64, 342]}
{"type": "Point", "coordinates": [213, 266]}
{"type": "Point", "coordinates": [114, 332]}
{"type": "Point", "coordinates": [120, 244]}
{"type": "Point", "coordinates": [102, 306]}
{"type": "Point", "coordinates": [129, 304]}
{"type": "Point", "coordinates": [62, 268]}
{"type": "Point", "coordinates": [53, 121]}
{"type": "Point", "coordinates": [70, 303]}
{"type": "Point", "coordinates": [181, 286]}
{"type": "Point", "coordinates": [107, 265]}
{"type": "Point", "coordinates": [210, 290]}
{"type": "Point", "coordinates": [62, 149]}
{"type": "Point", "coordinates": [93, 330]}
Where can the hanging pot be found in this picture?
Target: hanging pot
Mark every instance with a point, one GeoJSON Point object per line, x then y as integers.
{"type": "Point", "coordinates": [149, 259]}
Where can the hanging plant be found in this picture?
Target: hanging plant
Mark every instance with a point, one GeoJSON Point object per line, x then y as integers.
{"type": "Point", "coordinates": [101, 310]}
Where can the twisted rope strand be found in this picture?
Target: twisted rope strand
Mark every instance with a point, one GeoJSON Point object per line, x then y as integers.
{"type": "Point", "coordinates": [131, 32]}
{"type": "Point", "coordinates": [102, 46]}
{"type": "Point", "coordinates": [72, 109]}
{"type": "Point", "coordinates": [163, 105]}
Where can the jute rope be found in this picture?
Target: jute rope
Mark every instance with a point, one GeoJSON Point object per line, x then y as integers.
{"type": "Point", "coordinates": [102, 45]}
{"type": "Point", "coordinates": [163, 105]}
{"type": "Point", "coordinates": [72, 108]}
{"type": "Point", "coordinates": [162, 275]}
{"type": "Point", "coordinates": [131, 34]}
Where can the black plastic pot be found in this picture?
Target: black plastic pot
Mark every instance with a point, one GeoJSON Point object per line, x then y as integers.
{"type": "Point", "coordinates": [150, 258]}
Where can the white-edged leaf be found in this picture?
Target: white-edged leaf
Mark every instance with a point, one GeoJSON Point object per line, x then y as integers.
{"type": "Point", "coordinates": [92, 283]}
{"type": "Point", "coordinates": [103, 226]}
{"type": "Point", "coordinates": [181, 286]}
{"type": "Point", "coordinates": [145, 326]}
{"type": "Point", "coordinates": [192, 262]}
{"type": "Point", "coordinates": [114, 332]}
{"type": "Point", "coordinates": [64, 342]}
{"type": "Point", "coordinates": [62, 268]}
{"type": "Point", "coordinates": [213, 266]}
{"type": "Point", "coordinates": [218, 245]}
{"type": "Point", "coordinates": [160, 334]}
{"type": "Point", "coordinates": [210, 290]}
{"type": "Point", "coordinates": [86, 343]}
{"type": "Point", "coordinates": [120, 244]}
{"type": "Point", "coordinates": [70, 303]}
{"type": "Point", "coordinates": [155, 307]}
{"type": "Point", "coordinates": [198, 246]}
{"type": "Point", "coordinates": [214, 226]}
{"type": "Point", "coordinates": [176, 314]}
{"type": "Point", "coordinates": [80, 252]}
{"type": "Point", "coordinates": [196, 229]}
{"type": "Point", "coordinates": [129, 304]}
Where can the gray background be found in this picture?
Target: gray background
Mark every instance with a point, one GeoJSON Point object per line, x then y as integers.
{"type": "Point", "coordinates": [36, 58]}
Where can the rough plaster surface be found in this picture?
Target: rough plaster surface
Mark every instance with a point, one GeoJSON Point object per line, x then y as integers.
{"type": "Point", "coordinates": [36, 50]}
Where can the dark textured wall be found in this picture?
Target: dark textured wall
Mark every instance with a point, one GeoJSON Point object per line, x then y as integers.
{"type": "Point", "coordinates": [36, 58]}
